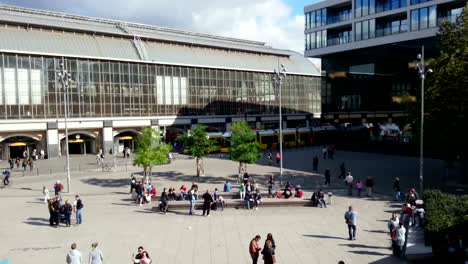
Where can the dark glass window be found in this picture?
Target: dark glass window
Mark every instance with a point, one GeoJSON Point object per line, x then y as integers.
{"type": "Point", "coordinates": [365, 30]}
{"type": "Point", "coordinates": [357, 31]}
{"type": "Point", "coordinates": [414, 20]}
{"type": "Point", "coordinates": [371, 7]}
{"type": "Point", "coordinates": [357, 8]}
{"type": "Point", "coordinates": [432, 16]}
{"type": "Point", "coordinates": [312, 19]}
{"type": "Point", "coordinates": [423, 18]}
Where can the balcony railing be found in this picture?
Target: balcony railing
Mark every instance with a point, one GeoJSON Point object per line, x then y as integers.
{"type": "Point", "coordinates": [338, 41]}
{"type": "Point", "coordinates": [450, 19]}
{"type": "Point", "coordinates": [331, 19]}
{"type": "Point", "coordinates": [390, 31]}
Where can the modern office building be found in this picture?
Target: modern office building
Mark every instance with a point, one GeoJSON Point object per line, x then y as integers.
{"type": "Point", "coordinates": [126, 76]}
{"type": "Point", "coordinates": [366, 47]}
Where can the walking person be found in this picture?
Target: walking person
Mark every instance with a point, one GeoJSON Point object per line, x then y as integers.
{"type": "Point", "coordinates": [254, 249]}
{"type": "Point", "coordinates": [397, 189]}
{"type": "Point", "coordinates": [164, 202]}
{"type": "Point", "coordinates": [398, 242]}
{"type": "Point", "coordinates": [142, 257]}
{"type": "Point", "coordinates": [67, 211]}
{"type": "Point", "coordinates": [78, 206]}
{"type": "Point", "coordinates": [315, 162]}
{"type": "Point", "coordinates": [327, 176]}
{"type": "Point", "coordinates": [242, 191]}
{"type": "Point", "coordinates": [58, 187]}
{"type": "Point", "coordinates": [268, 253]}
{"type": "Point", "coordinates": [351, 220]}
{"type": "Point", "coordinates": [270, 158]}
{"type": "Point", "coordinates": [278, 158]}
{"type": "Point", "coordinates": [369, 186]}
{"type": "Point", "coordinates": [270, 238]}
{"type": "Point", "coordinates": [95, 255]}
{"type": "Point", "coordinates": [324, 152]}
{"type": "Point", "coordinates": [193, 199]}
{"type": "Point", "coordinates": [207, 201]}
{"type": "Point", "coordinates": [359, 188]}
{"type": "Point", "coordinates": [46, 194]}
{"type": "Point", "coordinates": [349, 182]}
{"type": "Point", "coordinates": [342, 171]}
{"type": "Point", "coordinates": [74, 256]}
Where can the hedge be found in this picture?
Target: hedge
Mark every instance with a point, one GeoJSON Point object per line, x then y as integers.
{"type": "Point", "coordinates": [445, 213]}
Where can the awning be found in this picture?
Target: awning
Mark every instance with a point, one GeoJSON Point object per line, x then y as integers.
{"type": "Point", "coordinates": [18, 144]}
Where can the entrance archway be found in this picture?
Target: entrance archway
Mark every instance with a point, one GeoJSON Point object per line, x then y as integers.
{"type": "Point", "coordinates": [126, 139]}
{"type": "Point", "coordinates": [17, 146]}
{"type": "Point", "coordinates": [80, 143]}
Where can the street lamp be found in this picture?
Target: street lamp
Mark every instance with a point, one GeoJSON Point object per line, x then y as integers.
{"type": "Point", "coordinates": [65, 79]}
{"type": "Point", "coordinates": [279, 77]}
{"type": "Point", "coordinates": [422, 71]}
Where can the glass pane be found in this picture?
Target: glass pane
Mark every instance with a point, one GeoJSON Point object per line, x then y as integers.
{"type": "Point", "coordinates": [318, 18]}
{"type": "Point", "coordinates": [319, 40]}
{"type": "Point", "coordinates": [432, 16]}
{"type": "Point", "coordinates": [312, 19]}
{"type": "Point", "coordinates": [357, 8]}
{"type": "Point", "coordinates": [324, 38]}
{"type": "Point", "coordinates": [423, 18]}
{"type": "Point", "coordinates": [403, 3]}
{"type": "Point", "coordinates": [414, 20]}
{"type": "Point", "coordinates": [395, 4]}
{"type": "Point", "coordinates": [365, 7]}
{"type": "Point", "coordinates": [365, 30]}
{"type": "Point", "coordinates": [357, 30]}
{"type": "Point", "coordinates": [372, 28]}
{"type": "Point", "coordinates": [324, 16]}
{"type": "Point", "coordinates": [371, 7]}
{"type": "Point", "coordinates": [395, 27]}
{"type": "Point", "coordinates": [312, 40]}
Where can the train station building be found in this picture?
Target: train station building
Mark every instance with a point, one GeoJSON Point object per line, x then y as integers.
{"type": "Point", "coordinates": [126, 76]}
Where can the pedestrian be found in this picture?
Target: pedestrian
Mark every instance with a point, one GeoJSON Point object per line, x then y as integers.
{"type": "Point", "coordinates": [207, 201]}
{"type": "Point", "coordinates": [392, 224]}
{"type": "Point", "coordinates": [359, 188]}
{"type": "Point", "coordinates": [257, 198]}
{"type": "Point", "coordinates": [58, 187]}
{"type": "Point", "coordinates": [349, 183]}
{"type": "Point", "coordinates": [342, 171]}
{"type": "Point", "coordinates": [327, 176]}
{"type": "Point", "coordinates": [270, 238]}
{"type": "Point", "coordinates": [95, 255]}
{"type": "Point", "coordinates": [132, 184]}
{"type": "Point", "coordinates": [315, 162]}
{"type": "Point", "coordinates": [399, 241]}
{"type": "Point", "coordinates": [268, 253]}
{"type": "Point", "coordinates": [142, 257]}
{"type": "Point", "coordinates": [270, 158]}
{"type": "Point", "coordinates": [31, 164]}
{"type": "Point", "coordinates": [163, 203]}
{"type": "Point", "coordinates": [324, 152]}
{"type": "Point", "coordinates": [67, 211]}
{"type": "Point", "coordinates": [278, 158]}
{"type": "Point", "coordinates": [193, 200]}
{"type": "Point", "coordinates": [397, 189]}
{"type": "Point", "coordinates": [369, 186]}
{"type": "Point", "coordinates": [42, 154]}
{"type": "Point", "coordinates": [25, 164]}
{"type": "Point", "coordinates": [11, 162]}
{"type": "Point", "coordinates": [246, 178]}
{"type": "Point", "coordinates": [351, 220]}
{"type": "Point", "coordinates": [45, 192]}
{"type": "Point", "coordinates": [74, 256]}
{"type": "Point", "coordinates": [271, 185]}
{"type": "Point", "coordinates": [78, 206]}
{"type": "Point", "coordinates": [34, 154]}
{"type": "Point", "coordinates": [254, 249]}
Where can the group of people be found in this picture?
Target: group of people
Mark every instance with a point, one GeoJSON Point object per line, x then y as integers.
{"type": "Point", "coordinates": [61, 212]}
{"type": "Point", "coordinates": [141, 191]}
{"type": "Point", "coordinates": [268, 250]}
{"type": "Point", "coordinates": [318, 199]}
{"type": "Point", "coordinates": [369, 184]}
{"type": "Point", "coordinates": [95, 256]}
{"type": "Point", "coordinates": [27, 161]}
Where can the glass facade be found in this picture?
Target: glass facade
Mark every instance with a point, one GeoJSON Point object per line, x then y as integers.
{"type": "Point", "coordinates": [316, 18]}
{"type": "Point", "coordinates": [316, 40]}
{"type": "Point", "coordinates": [364, 30]}
{"type": "Point", "coordinates": [415, 2]}
{"type": "Point", "coordinates": [29, 88]}
{"type": "Point", "coordinates": [423, 18]}
{"type": "Point", "coordinates": [387, 5]}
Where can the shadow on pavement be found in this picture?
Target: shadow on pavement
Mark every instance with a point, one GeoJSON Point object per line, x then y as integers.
{"type": "Point", "coordinates": [37, 221]}
{"type": "Point", "coordinates": [377, 231]}
{"type": "Point", "coordinates": [366, 252]}
{"type": "Point", "coordinates": [323, 236]}
{"type": "Point", "coordinates": [390, 260]}
{"type": "Point", "coordinates": [362, 246]}
{"type": "Point", "coordinates": [112, 183]}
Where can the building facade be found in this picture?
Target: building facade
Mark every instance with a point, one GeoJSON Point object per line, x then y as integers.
{"type": "Point", "coordinates": [126, 76]}
{"type": "Point", "coordinates": [366, 47]}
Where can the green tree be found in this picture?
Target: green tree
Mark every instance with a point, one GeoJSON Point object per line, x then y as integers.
{"type": "Point", "coordinates": [447, 91]}
{"type": "Point", "coordinates": [150, 151]}
{"type": "Point", "coordinates": [244, 148]}
{"type": "Point", "coordinates": [197, 144]}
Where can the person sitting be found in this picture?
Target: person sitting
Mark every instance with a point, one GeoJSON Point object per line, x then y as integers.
{"type": "Point", "coordinates": [257, 198]}
{"type": "Point", "coordinates": [248, 199]}
{"type": "Point", "coordinates": [227, 187]}
{"type": "Point", "coordinates": [172, 195]}
{"type": "Point", "coordinates": [220, 202]}
{"type": "Point", "coordinates": [321, 199]}
{"type": "Point", "coordinates": [314, 199]}
{"type": "Point", "coordinates": [183, 192]}
{"type": "Point", "coordinates": [246, 178]}
{"type": "Point", "coordinates": [287, 193]}
{"type": "Point", "coordinates": [299, 193]}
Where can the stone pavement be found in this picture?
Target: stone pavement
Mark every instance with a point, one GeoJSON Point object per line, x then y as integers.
{"type": "Point", "coordinates": [303, 234]}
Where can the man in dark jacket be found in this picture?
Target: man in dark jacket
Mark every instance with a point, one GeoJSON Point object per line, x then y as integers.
{"type": "Point", "coordinates": [207, 201]}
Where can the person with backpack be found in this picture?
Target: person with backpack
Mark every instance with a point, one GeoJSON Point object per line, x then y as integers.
{"type": "Point", "coordinates": [58, 187]}
{"type": "Point", "coordinates": [78, 206]}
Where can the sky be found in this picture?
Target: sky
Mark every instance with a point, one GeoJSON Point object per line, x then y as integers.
{"type": "Point", "coordinates": [279, 23]}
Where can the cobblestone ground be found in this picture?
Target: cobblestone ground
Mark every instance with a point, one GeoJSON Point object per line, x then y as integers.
{"type": "Point", "coordinates": [303, 234]}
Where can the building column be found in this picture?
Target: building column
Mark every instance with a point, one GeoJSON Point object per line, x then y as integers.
{"type": "Point", "coordinates": [107, 137]}
{"type": "Point", "coordinates": [52, 150]}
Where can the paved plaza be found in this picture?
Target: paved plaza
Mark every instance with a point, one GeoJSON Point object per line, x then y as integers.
{"type": "Point", "coordinates": [302, 234]}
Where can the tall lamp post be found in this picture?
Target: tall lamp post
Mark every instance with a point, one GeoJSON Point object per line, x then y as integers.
{"type": "Point", "coordinates": [279, 77]}
{"type": "Point", "coordinates": [422, 71]}
{"type": "Point", "coordinates": [65, 79]}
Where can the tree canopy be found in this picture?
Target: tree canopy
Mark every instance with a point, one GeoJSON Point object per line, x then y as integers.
{"type": "Point", "coordinates": [197, 144]}
{"type": "Point", "coordinates": [244, 148]}
{"type": "Point", "coordinates": [150, 151]}
{"type": "Point", "coordinates": [447, 89]}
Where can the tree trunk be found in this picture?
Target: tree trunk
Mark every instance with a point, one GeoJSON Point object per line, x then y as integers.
{"type": "Point", "coordinates": [200, 167]}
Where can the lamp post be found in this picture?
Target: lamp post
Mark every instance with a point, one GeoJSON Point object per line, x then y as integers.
{"type": "Point", "coordinates": [422, 71]}
{"type": "Point", "coordinates": [65, 79]}
{"type": "Point", "coordinates": [279, 77]}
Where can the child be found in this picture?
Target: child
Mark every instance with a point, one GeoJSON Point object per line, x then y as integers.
{"type": "Point", "coordinates": [45, 192]}
{"type": "Point", "coordinates": [359, 187]}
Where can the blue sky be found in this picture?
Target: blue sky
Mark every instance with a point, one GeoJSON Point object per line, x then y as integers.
{"type": "Point", "coordinates": [279, 23]}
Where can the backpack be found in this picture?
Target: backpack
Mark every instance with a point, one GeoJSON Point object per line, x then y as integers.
{"type": "Point", "coordinates": [79, 204]}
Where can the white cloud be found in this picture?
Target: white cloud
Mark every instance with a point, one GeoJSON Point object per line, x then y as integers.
{"type": "Point", "coordinates": [270, 21]}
